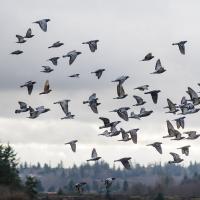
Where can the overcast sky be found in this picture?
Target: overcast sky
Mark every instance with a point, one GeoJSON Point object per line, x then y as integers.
{"type": "Point", "coordinates": [127, 31]}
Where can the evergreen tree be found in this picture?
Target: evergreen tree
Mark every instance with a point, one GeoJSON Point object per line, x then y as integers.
{"type": "Point", "coordinates": [31, 187]}
{"type": "Point", "coordinates": [160, 196]}
{"type": "Point", "coordinates": [9, 174]}
{"type": "Point", "coordinates": [125, 186]}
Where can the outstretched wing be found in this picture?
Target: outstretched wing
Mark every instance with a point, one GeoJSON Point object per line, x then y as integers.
{"type": "Point", "coordinates": [73, 146]}
{"type": "Point", "coordinates": [175, 156]}
{"type": "Point", "coordinates": [105, 120]}
{"type": "Point", "coordinates": [126, 163]}
{"type": "Point", "coordinates": [46, 86]}
{"type": "Point", "coordinates": [64, 106]}
{"type": "Point", "coordinates": [158, 65]}
{"type": "Point", "coordinates": [120, 90]}
{"type": "Point", "coordinates": [94, 153]}
{"type": "Point", "coordinates": [22, 105]}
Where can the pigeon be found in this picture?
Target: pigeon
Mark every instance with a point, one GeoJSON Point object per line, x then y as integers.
{"type": "Point", "coordinates": [54, 60]}
{"type": "Point", "coordinates": [92, 45]}
{"type": "Point", "coordinates": [122, 112]}
{"type": "Point", "coordinates": [121, 79]}
{"type": "Point", "coordinates": [72, 144]}
{"type": "Point", "coordinates": [193, 96]}
{"type": "Point", "coordinates": [43, 24]}
{"type": "Point", "coordinates": [181, 46]}
{"type": "Point", "coordinates": [98, 73]}
{"type": "Point", "coordinates": [157, 146]}
{"type": "Point", "coordinates": [133, 134]}
{"type": "Point", "coordinates": [192, 135]}
{"type": "Point", "coordinates": [170, 130]}
{"type": "Point", "coordinates": [46, 88]}
{"type": "Point", "coordinates": [34, 113]}
{"type": "Point", "coordinates": [154, 95]}
{"type": "Point", "coordinates": [139, 100]}
{"type": "Point", "coordinates": [149, 56]}
{"type": "Point", "coordinates": [42, 109]}
{"type": "Point", "coordinates": [108, 182]}
{"type": "Point", "coordinates": [134, 116]}
{"type": "Point", "coordinates": [94, 156]}
{"type": "Point", "coordinates": [185, 149]}
{"type": "Point", "coordinates": [176, 158]}
{"type": "Point", "coordinates": [74, 76]}
{"type": "Point", "coordinates": [20, 39]}
{"type": "Point", "coordinates": [47, 69]}
{"type": "Point", "coordinates": [172, 107]}
{"type": "Point", "coordinates": [158, 68]}
{"type": "Point", "coordinates": [17, 52]}
{"type": "Point", "coordinates": [120, 92]}
{"type": "Point", "coordinates": [105, 133]}
{"type": "Point", "coordinates": [29, 86]}
{"type": "Point", "coordinates": [29, 33]}
{"type": "Point", "coordinates": [23, 107]}
{"type": "Point", "coordinates": [107, 123]}
{"type": "Point", "coordinates": [125, 135]}
{"type": "Point", "coordinates": [72, 56]}
{"type": "Point", "coordinates": [180, 122]}
{"type": "Point", "coordinates": [93, 103]}
{"type": "Point", "coordinates": [65, 108]}
{"type": "Point", "coordinates": [144, 112]}
{"type": "Point", "coordinates": [56, 44]}
{"type": "Point", "coordinates": [186, 110]}
{"type": "Point", "coordinates": [177, 135]}
{"type": "Point", "coordinates": [125, 162]}
{"type": "Point", "coordinates": [142, 88]}
{"type": "Point", "coordinates": [79, 186]}
{"type": "Point", "coordinates": [114, 131]}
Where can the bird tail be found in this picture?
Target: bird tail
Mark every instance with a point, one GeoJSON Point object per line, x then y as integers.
{"type": "Point", "coordinates": [84, 102]}
{"type": "Point", "coordinates": [50, 47]}
{"type": "Point", "coordinates": [17, 111]}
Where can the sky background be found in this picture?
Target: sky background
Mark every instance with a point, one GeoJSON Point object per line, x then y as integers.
{"type": "Point", "coordinates": [127, 31]}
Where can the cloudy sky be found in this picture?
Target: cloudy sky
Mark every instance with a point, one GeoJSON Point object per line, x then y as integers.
{"type": "Point", "coordinates": [127, 31]}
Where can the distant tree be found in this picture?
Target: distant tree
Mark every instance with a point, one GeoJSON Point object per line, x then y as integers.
{"type": "Point", "coordinates": [125, 186]}
{"type": "Point", "coordinates": [9, 174]}
{"type": "Point", "coordinates": [60, 191]}
{"type": "Point", "coordinates": [70, 186]}
{"type": "Point", "coordinates": [52, 189]}
{"type": "Point", "coordinates": [31, 186]}
{"type": "Point", "coordinates": [39, 186]}
{"type": "Point", "coordinates": [160, 196]}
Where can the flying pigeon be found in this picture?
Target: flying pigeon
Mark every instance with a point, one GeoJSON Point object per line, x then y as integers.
{"type": "Point", "coordinates": [54, 60]}
{"type": "Point", "coordinates": [29, 33]}
{"type": "Point", "coordinates": [121, 79]}
{"type": "Point", "coordinates": [65, 108]}
{"type": "Point", "coordinates": [154, 95]}
{"type": "Point", "coordinates": [46, 88]}
{"type": "Point", "coordinates": [108, 182]}
{"type": "Point", "coordinates": [144, 112]}
{"type": "Point", "coordinates": [17, 52]}
{"type": "Point", "coordinates": [20, 39]}
{"type": "Point", "coordinates": [172, 107]}
{"type": "Point", "coordinates": [193, 96]}
{"type": "Point", "coordinates": [142, 88]}
{"type": "Point", "coordinates": [158, 68]}
{"type": "Point", "coordinates": [125, 162]}
{"type": "Point", "coordinates": [107, 123]}
{"type": "Point", "coordinates": [122, 112]}
{"type": "Point", "coordinates": [79, 186]}
{"type": "Point", "coordinates": [170, 130]}
{"type": "Point", "coordinates": [34, 113]}
{"type": "Point", "coordinates": [185, 149]}
{"type": "Point", "coordinates": [72, 144]}
{"type": "Point", "coordinates": [133, 134]}
{"type": "Point", "coordinates": [125, 135]}
{"type": "Point", "coordinates": [176, 158]}
{"type": "Point", "coordinates": [56, 44]}
{"type": "Point", "coordinates": [139, 100]}
{"type": "Point", "coordinates": [192, 135]}
{"type": "Point", "coordinates": [180, 122]}
{"type": "Point", "coordinates": [157, 146]}
{"type": "Point", "coordinates": [92, 45]}
{"type": "Point", "coordinates": [149, 56]}
{"type": "Point", "coordinates": [94, 156]}
{"type": "Point", "coordinates": [23, 107]}
{"type": "Point", "coordinates": [98, 73]}
{"type": "Point", "coordinates": [177, 135]}
{"type": "Point", "coordinates": [43, 24]}
{"type": "Point", "coordinates": [29, 86]}
{"type": "Point", "coordinates": [74, 75]}
{"type": "Point", "coordinates": [92, 101]}
{"type": "Point", "coordinates": [181, 46]}
{"type": "Point", "coordinates": [120, 92]}
{"type": "Point", "coordinates": [72, 56]}
{"type": "Point", "coordinates": [47, 69]}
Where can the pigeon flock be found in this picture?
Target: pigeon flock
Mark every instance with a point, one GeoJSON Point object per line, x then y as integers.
{"type": "Point", "coordinates": [185, 107]}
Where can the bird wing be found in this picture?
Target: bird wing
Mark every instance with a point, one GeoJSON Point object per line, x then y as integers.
{"type": "Point", "coordinates": [92, 97]}
{"type": "Point", "coordinates": [175, 156]}
{"type": "Point", "coordinates": [123, 114]}
{"type": "Point", "coordinates": [138, 99]}
{"type": "Point", "coordinates": [170, 128]}
{"type": "Point", "coordinates": [105, 120]}
{"type": "Point", "coordinates": [183, 101]}
{"type": "Point", "coordinates": [30, 88]}
{"type": "Point", "coordinates": [192, 93]}
{"type": "Point", "coordinates": [72, 57]}
{"type": "Point", "coordinates": [171, 105]}
{"type": "Point", "coordinates": [20, 38]}
{"type": "Point", "coordinates": [73, 146]}
{"type": "Point", "coordinates": [154, 96]}
{"type": "Point", "coordinates": [182, 122]}
{"type": "Point", "coordinates": [192, 133]}
{"type": "Point", "coordinates": [40, 108]}
{"type": "Point", "coordinates": [43, 25]}
{"type": "Point", "coordinates": [94, 153]}
{"type": "Point", "coordinates": [93, 106]}
{"type": "Point", "coordinates": [158, 147]}
{"type": "Point", "coordinates": [22, 105]}
{"type": "Point", "coordinates": [120, 90]}
{"type": "Point", "coordinates": [133, 134]}
{"type": "Point", "coordinates": [29, 32]}
{"type": "Point", "coordinates": [64, 106]}
{"type": "Point", "coordinates": [99, 73]}
{"type": "Point", "coordinates": [126, 163]}
{"type": "Point", "coordinates": [142, 110]}
{"type": "Point", "coordinates": [158, 65]}
{"type": "Point", "coordinates": [181, 47]}
{"type": "Point", "coordinates": [92, 46]}
{"type": "Point", "coordinates": [46, 86]}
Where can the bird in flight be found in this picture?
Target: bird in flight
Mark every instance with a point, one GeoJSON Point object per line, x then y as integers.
{"type": "Point", "coordinates": [92, 45]}
{"type": "Point", "coordinates": [181, 46]}
{"type": "Point", "coordinates": [43, 24]}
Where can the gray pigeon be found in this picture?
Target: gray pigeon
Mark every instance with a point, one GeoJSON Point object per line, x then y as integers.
{"type": "Point", "coordinates": [181, 46]}
{"type": "Point", "coordinates": [47, 69]}
{"type": "Point", "coordinates": [157, 146]}
{"type": "Point", "coordinates": [121, 79]}
{"type": "Point", "coordinates": [98, 73]}
{"type": "Point", "coordinates": [23, 107]}
{"type": "Point", "coordinates": [29, 33]}
{"type": "Point", "coordinates": [125, 162]}
{"type": "Point", "coordinates": [142, 88]}
{"type": "Point", "coordinates": [92, 101]}
{"type": "Point", "coordinates": [72, 144]}
{"type": "Point", "coordinates": [54, 60]}
{"type": "Point", "coordinates": [176, 158]}
{"type": "Point", "coordinates": [154, 95]}
{"type": "Point", "coordinates": [120, 92]}
{"type": "Point", "coordinates": [94, 156]}
{"type": "Point", "coordinates": [74, 76]}
{"type": "Point", "coordinates": [72, 56]}
{"type": "Point", "coordinates": [17, 52]}
{"type": "Point", "coordinates": [158, 68]}
{"type": "Point", "coordinates": [92, 45]}
{"type": "Point", "coordinates": [56, 44]}
{"type": "Point", "coordinates": [29, 86]}
{"type": "Point", "coordinates": [122, 112]}
{"type": "Point", "coordinates": [20, 39]}
{"type": "Point", "coordinates": [148, 57]}
{"type": "Point", "coordinates": [185, 149]}
{"type": "Point", "coordinates": [43, 24]}
{"type": "Point", "coordinates": [180, 122]}
{"type": "Point", "coordinates": [139, 100]}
